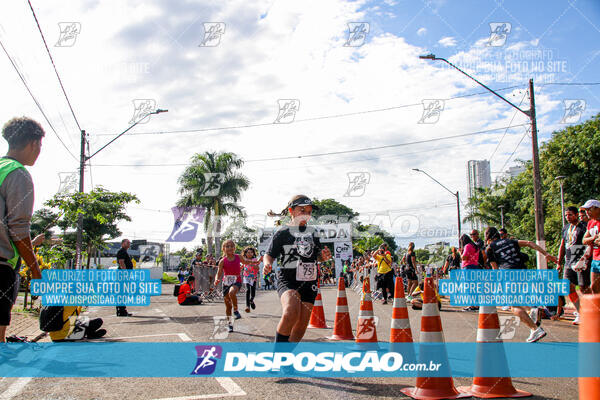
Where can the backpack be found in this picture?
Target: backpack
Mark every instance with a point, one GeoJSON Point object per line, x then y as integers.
{"type": "Point", "coordinates": [51, 318]}
{"type": "Point", "coordinates": [176, 290]}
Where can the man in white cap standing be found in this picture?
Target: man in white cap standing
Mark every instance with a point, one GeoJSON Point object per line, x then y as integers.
{"type": "Point", "coordinates": [592, 238]}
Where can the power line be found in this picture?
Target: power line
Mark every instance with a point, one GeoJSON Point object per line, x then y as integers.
{"type": "Point", "coordinates": [511, 121]}
{"type": "Point", "coordinates": [514, 151]}
{"type": "Point", "coordinates": [569, 84]}
{"type": "Point", "coordinates": [53, 65]}
{"type": "Point", "coordinates": [305, 119]}
{"type": "Point", "coordinates": [332, 153]}
{"type": "Point", "coordinates": [386, 146]}
{"type": "Point", "coordinates": [37, 103]}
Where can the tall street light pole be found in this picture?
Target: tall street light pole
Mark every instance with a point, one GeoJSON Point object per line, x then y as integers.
{"type": "Point", "coordinates": [537, 189]}
{"type": "Point", "coordinates": [560, 180]}
{"type": "Point", "coordinates": [501, 216]}
{"type": "Point", "coordinates": [83, 159]}
{"type": "Point", "coordinates": [452, 193]}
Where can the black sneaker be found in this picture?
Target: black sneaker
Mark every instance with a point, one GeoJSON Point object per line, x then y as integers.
{"type": "Point", "coordinates": [230, 328]}
{"type": "Point", "coordinates": [125, 315]}
{"type": "Point", "coordinates": [97, 335]}
{"type": "Point", "coordinates": [237, 315]}
{"type": "Point", "coordinates": [252, 305]}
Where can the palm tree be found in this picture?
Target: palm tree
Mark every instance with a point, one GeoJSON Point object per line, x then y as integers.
{"type": "Point", "coordinates": [197, 190]}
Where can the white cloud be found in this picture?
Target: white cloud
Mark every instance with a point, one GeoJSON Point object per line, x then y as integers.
{"type": "Point", "coordinates": [447, 41]}
{"type": "Point", "coordinates": [422, 31]}
{"type": "Point", "coordinates": [151, 51]}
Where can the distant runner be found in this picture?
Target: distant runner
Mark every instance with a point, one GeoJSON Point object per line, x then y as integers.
{"type": "Point", "coordinates": [231, 266]}
{"type": "Point", "coordinates": [250, 276]}
{"type": "Point", "coordinates": [297, 249]}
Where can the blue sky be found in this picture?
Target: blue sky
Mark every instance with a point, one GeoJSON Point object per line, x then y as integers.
{"type": "Point", "coordinates": [376, 95]}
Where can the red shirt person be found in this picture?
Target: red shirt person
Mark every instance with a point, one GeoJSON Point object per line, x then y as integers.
{"type": "Point", "coordinates": [185, 296]}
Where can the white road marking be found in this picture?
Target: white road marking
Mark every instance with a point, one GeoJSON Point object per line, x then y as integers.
{"type": "Point", "coordinates": [156, 335]}
{"type": "Point", "coordinates": [232, 389]}
{"type": "Point", "coordinates": [14, 389]}
{"type": "Point", "coordinates": [184, 337]}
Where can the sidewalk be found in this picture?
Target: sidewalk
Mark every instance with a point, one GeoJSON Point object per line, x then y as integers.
{"type": "Point", "coordinates": [25, 324]}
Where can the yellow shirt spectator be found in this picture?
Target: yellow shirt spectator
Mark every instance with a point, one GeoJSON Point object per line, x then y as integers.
{"type": "Point", "coordinates": [70, 314]}
{"type": "Point", "coordinates": [384, 263]}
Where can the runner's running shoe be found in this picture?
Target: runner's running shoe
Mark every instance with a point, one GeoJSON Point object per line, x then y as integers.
{"type": "Point", "coordinates": [576, 320]}
{"type": "Point", "coordinates": [536, 335]}
{"type": "Point", "coordinates": [237, 314]}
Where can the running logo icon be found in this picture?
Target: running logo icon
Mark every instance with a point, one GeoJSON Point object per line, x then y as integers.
{"type": "Point", "coordinates": [141, 110]}
{"type": "Point", "coordinates": [207, 359]}
{"type": "Point", "coordinates": [357, 34]}
{"type": "Point", "coordinates": [287, 110]}
{"type": "Point", "coordinates": [432, 109]}
{"type": "Point", "coordinates": [498, 33]}
{"type": "Point", "coordinates": [68, 182]}
{"type": "Point", "coordinates": [357, 183]}
{"type": "Point", "coordinates": [212, 34]}
{"type": "Point", "coordinates": [68, 33]}
{"type": "Point", "coordinates": [212, 184]}
{"type": "Point", "coordinates": [187, 221]}
{"type": "Point", "coordinates": [573, 111]}
{"type": "Point", "coordinates": [508, 327]}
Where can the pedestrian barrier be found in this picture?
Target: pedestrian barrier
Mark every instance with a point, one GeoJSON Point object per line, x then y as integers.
{"type": "Point", "coordinates": [431, 347]}
{"type": "Point", "coordinates": [317, 316]}
{"type": "Point", "coordinates": [589, 331]}
{"type": "Point", "coordinates": [204, 284]}
{"type": "Point", "coordinates": [342, 328]}
{"type": "Point", "coordinates": [488, 331]}
{"type": "Point", "coordinates": [366, 331]}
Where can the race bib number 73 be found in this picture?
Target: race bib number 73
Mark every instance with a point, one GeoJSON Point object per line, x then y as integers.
{"type": "Point", "coordinates": [306, 271]}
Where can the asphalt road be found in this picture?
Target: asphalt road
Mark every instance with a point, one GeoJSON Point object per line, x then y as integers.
{"type": "Point", "coordinates": [165, 321]}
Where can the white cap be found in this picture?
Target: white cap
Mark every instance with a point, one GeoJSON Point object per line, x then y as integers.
{"type": "Point", "coordinates": [591, 203]}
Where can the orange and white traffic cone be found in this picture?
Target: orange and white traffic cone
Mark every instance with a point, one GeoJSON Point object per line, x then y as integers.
{"type": "Point", "coordinates": [401, 339]}
{"type": "Point", "coordinates": [342, 328]}
{"type": "Point", "coordinates": [366, 331]}
{"type": "Point", "coordinates": [317, 316]}
{"type": "Point", "coordinates": [488, 330]}
{"type": "Point", "coordinates": [432, 347]}
{"type": "Point", "coordinates": [400, 331]}
{"type": "Point", "coordinates": [589, 331]}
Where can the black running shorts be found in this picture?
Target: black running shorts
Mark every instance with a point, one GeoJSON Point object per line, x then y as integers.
{"type": "Point", "coordinates": [581, 278]}
{"type": "Point", "coordinates": [286, 280]}
{"type": "Point", "coordinates": [7, 290]}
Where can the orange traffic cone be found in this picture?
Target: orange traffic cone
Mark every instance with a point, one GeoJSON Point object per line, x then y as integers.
{"type": "Point", "coordinates": [589, 331]}
{"type": "Point", "coordinates": [317, 316]}
{"type": "Point", "coordinates": [400, 331]}
{"type": "Point", "coordinates": [366, 331]}
{"type": "Point", "coordinates": [430, 388]}
{"type": "Point", "coordinates": [488, 330]}
{"type": "Point", "coordinates": [342, 328]}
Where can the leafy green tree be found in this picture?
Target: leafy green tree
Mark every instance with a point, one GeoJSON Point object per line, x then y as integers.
{"type": "Point", "coordinates": [422, 255]}
{"type": "Point", "coordinates": [241, 234]}
{"type": "Point", "coordinates": [42, 221]}
{"type": "Point", "coordinates": [195, 189]}
{"type": "Point", "coordinates": [102, 210]}
{"type": "Point", "coordinates": [571, 152]}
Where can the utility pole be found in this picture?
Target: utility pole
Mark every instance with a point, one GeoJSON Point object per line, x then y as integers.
{"type": "Point", "coordinates": [458, 214]}
{"type": "Point", "coordinates": [82, 160]}
{"type": "Point", "coordinates": [562, 198]}
{"type": "Point", "coordinates": [537, 188]}
{"type": "Point", "coordinates": [501, 216]}
{"type": "Point", "coordinates": [537, 182]}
